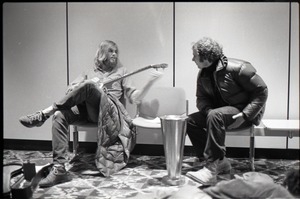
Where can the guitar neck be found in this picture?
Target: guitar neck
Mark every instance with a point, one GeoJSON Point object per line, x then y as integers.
{"type": "Point", "coordinates": [127, 75]}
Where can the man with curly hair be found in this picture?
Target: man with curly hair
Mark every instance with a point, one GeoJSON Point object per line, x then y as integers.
{"type": "Point", "coordinates": [230, 95]}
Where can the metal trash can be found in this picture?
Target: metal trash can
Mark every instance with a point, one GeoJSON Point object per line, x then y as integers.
{"type": "Point", "coordinates": [174, 132]}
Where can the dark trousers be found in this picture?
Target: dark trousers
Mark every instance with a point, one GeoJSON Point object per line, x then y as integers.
{"type": "Point", "coordinates": [207, 133]}
{"type": "Point", "coordinates": [79, 105]}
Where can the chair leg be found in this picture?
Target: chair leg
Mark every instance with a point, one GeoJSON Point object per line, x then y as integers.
{"type": "Point", "coordinates": [75, 140]}
{"type": "Point", "coordinates": [252, 149]}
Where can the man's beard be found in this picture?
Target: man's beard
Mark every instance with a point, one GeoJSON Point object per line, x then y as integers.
{"type": "Point", "coordinates": [111, 64]}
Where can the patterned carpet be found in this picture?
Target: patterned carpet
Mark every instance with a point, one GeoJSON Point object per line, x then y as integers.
{"type": "Point", "coordinates": [142, 178]}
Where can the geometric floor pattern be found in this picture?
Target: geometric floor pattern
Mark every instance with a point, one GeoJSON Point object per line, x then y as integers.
{"type": "Point", "coordinates": [141, 178]}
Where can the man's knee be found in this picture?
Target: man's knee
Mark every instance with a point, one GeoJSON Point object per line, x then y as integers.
{"type": "Point", "coordinates": [196, 120]}
{"type": "Point", "coordinates": [58, 115]}
{"type": "Point", "coordinates": [214, 115]}
{"type": "Point", "coordinates": [60, 122]}
{"type": "Point", "coordinates": [191, 124]}
{"type": "Point", "coordinates": [91, 85]}
{"type": "Point", "coordinates": [190, 121]}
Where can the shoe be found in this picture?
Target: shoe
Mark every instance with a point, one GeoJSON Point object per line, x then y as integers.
{"type": "Point", "coordinates": [204, 176]}
{"type": "Point", "coordinates": [57, 175]}
{"type": "Point", "coordinates": [208, 174]}
{"type": "Point", "coordinates": [37, 119]}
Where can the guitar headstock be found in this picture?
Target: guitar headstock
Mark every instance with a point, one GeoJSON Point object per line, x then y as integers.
{"type": "Point", "coordinates": [156, 66]}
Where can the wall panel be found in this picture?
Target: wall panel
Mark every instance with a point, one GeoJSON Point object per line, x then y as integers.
{"type": "Point", "coordinates": [34, 64]}
{"type": "Point", "coordinates": [143, 32]}
{"type": "Point", "coordinates": [294, 72]}
{"type": "Point", "coordinates": [35, 55]}
{"type": "Point", "coordinates": [256, 32]}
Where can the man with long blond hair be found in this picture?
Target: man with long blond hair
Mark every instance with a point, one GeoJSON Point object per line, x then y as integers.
{"type": "Point", "coordinates": [86, 100]}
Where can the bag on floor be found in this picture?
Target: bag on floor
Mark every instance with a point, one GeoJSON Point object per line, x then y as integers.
{"type": "Point", "coordinates": [26, 184]}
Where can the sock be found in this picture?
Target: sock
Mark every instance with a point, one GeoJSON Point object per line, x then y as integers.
{"type": "Point", "coordinates": [48, 111]}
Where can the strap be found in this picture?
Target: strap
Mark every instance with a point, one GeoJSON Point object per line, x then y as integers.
{"type": "Point", "coordinates": [7, 177]}
{"type": "Point", "coordinates": [26, 192]}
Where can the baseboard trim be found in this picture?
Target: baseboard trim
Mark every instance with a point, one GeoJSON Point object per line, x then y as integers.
{"type": "Point", "coordinates": [153, 150]}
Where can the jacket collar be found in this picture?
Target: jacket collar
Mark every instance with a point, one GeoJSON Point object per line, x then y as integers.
{"type": "Point", "coordinates": [223, 62]}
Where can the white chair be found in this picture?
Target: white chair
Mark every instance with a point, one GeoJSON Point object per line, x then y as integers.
{"type": "Point", "coordinates": [76, 129]}
{"type": "Point", "coordinates": [158, 101]}
{"type": "Point", "coordinates": [249, 131]}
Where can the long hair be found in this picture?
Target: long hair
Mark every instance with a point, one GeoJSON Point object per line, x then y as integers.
{"type": "Point", "coordinates": [208, 49]}
{"type": "Point", "coordinates": [101, 53]}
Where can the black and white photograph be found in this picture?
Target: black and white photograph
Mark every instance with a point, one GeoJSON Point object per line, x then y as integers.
{"type": "Point", "coordinates": [177, 100]}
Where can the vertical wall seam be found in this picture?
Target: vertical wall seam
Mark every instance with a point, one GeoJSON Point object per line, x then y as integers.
{"type": "Point", "coordinates": [289, 60]}
{"type": "Point", "coordinates": [289, 70]}
{"type": "Point", "coordinates": [173, 44]}
{"type": "Point", "coordinates": [67, 43]}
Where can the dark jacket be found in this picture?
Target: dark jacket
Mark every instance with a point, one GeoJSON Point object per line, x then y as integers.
{"type": "Point", "coordinates": [235, 83]}
{"type": "Point", "coordinates": [116, 137]}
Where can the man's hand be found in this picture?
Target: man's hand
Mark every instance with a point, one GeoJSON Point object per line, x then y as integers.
{"type": "Point", "coordinates": [155, 75]}
{"type": "Point", "coordinates": [138, 95]}
{"type": "Point", "coordinates": [237, 115]}
{"type": "Point", "coordinates": [239, 119]}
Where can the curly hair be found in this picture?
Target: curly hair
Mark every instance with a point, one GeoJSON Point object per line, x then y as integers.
{"type": "Point", "coordinates": [101, 53]}
{"type": "Point", "coordinates": [208, 49]}
{"type": "Point", "coordinates": [292, 181]}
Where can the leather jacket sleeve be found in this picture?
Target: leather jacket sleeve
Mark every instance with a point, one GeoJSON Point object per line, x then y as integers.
{"type": "Point", "coordinates": [203, 101]}
{"type": "Point", "coordinates": [257, 88]}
